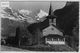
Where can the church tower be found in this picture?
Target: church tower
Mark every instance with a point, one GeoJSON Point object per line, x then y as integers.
{"type": "Point", "coordinates": [52, 17]}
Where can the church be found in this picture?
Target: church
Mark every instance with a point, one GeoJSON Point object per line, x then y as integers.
{"type": "Point", "coordinates": [52, 33]}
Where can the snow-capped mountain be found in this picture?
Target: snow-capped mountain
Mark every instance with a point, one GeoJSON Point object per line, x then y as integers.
{"type": "Point", "coordinates": [28, 15]}
{"type": "Point", "coordinates": [41, 14]}
{"type": "Point", "coordinates": [6, 15]}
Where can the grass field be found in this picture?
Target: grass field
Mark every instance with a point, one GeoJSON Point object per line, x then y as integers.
{"type": "Point", "coordinates": [48, 48]}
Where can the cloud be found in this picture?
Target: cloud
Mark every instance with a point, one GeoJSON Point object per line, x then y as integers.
{"type": "Point", "coordinates": [25, 12]}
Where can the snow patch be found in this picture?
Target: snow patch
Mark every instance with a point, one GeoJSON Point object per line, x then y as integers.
{"type": "Point", "coordinates": [42, 14]}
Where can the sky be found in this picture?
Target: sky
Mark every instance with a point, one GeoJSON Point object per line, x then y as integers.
{"type": "Point", "coordinates": [36, 5]}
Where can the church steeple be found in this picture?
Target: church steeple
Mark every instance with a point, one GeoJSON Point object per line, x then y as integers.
{"type": "Point", "coordinates": [50, 9]}
{"type": "Point", "coordinates": [52, 17]}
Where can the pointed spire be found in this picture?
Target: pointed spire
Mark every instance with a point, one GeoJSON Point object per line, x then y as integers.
{"type": "Point", "coordinates": [51, 17]}
{"type": "Point", "coordinates": [50, 9]}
